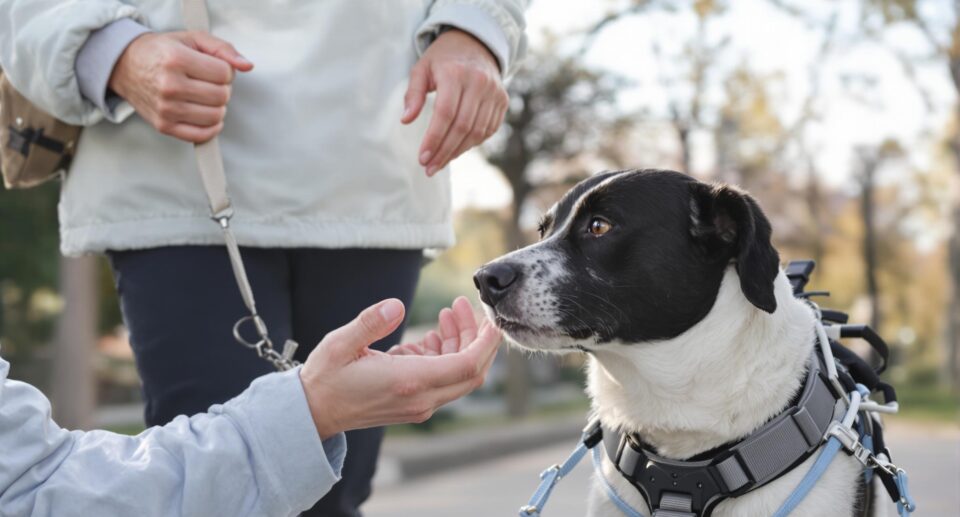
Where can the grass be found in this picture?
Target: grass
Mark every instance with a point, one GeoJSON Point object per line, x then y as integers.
{"type": "Point", "coordinates": [928, 403]}
{"type": "Point", "coordinates": [128, 429]}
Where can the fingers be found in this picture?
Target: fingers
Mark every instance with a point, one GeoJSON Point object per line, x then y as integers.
{"type": "Point", "coordinates": [444, 112]}
{"type": "Point", "coordinates": [445, 370]}
{"type": "Point", "coordinates": [466, 323]}
{"type": "Point", "coordinates": [191, 114]}
{"type": "Point", "coordinates": [373, 324]}
{"type": "Point", "coordinates": [201, 92]}
{"type": "Point", "coordinates": [189, 132]}
{"type": "Point", "coordinates": [460, 130]}
{"type": "Point", "coordinates": [449, 332]}
{"type": "Point", "coordinates": [416, 95]}
{"type": "Point", "coordinates": [432, 343]}
{"type": "Point", "coordinates": [216, 47]}
{"type": "Point", "coordinates": [203, 67]}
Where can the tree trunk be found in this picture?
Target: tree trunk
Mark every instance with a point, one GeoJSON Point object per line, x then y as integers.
{"type": "Point", "coordinates": [73, 384]}
{"type": "Point", "coordinates": [953, 305]}
{"type": "Point", "coordinates": [870, 166]}
{"type": "Point", "coordinates": [814, 200]}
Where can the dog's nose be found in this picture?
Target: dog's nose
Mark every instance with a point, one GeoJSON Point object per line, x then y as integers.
{"type": "Point", "coordinates": [494, 281]}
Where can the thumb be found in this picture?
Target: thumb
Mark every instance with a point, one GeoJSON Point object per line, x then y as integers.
{"type": "Point", "coordinates": [216, 47]}
{"type": "Point", "coordinates": [416, 93]}
{"type": "Point", "coordinates": [373, 324]}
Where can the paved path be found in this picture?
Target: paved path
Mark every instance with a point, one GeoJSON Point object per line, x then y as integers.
{"type": "Point", "coordinates": [499, 487]}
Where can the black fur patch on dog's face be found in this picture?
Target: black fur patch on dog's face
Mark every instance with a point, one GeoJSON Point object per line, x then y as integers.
{"type": "Point", "coordinates": [631, 256]}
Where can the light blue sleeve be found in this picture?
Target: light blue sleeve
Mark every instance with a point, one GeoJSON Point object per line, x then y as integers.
{"type": "Point", "coordinates": [96, 60]}
{"type": "Point", "coordinates": [258, 454]}
{"type": "Point", "coordinates": [499, 24]}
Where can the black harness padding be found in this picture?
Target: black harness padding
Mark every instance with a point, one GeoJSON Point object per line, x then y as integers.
{"type": "Point", "coordinates": [693, 487]}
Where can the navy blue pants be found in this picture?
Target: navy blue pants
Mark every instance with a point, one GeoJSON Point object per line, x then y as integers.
{"type": "Point", "coordinates": [180, 303]}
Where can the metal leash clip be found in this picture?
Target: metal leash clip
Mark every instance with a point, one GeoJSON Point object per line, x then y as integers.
{"type": "Point", "coordinates": [264, 346]}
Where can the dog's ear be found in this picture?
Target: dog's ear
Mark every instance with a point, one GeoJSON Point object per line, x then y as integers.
{"type": "Point", "coordinates": [729, 224]}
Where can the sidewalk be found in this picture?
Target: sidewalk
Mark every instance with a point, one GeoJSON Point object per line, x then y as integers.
{"type": "Point", "coordinates": [409, 457]}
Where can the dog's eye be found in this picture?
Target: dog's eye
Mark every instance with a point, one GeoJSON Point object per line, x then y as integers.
{"type": "Point", "coordinates": [599, 226]}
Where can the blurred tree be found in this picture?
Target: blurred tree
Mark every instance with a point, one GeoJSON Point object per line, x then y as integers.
{"type": "Point", "coordinates": [942, 36]}
{"type": "Point", "coordinates": [870, 159]}
{"type": "Point", "coordinates": [559, 109]}
{"type": "Point", "coordinates": [28, 270]}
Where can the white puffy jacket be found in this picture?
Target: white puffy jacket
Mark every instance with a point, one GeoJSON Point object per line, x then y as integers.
{"type": "Point", "coordinates": [313, 147]}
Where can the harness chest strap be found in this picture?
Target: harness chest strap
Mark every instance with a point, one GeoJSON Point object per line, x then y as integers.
{"type": "Point", "coordinates": [675, 488]}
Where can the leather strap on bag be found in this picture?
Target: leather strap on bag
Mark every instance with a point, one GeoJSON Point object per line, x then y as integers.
{"type": "Point", "coordinates": [210, 166]}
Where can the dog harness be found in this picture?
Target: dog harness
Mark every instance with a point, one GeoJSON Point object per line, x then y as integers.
{"type": "Point", "coordinates": [831, 412]}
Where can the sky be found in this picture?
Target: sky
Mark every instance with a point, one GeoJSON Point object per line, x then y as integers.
{"type": "Point", "coordinates": [855, 112]}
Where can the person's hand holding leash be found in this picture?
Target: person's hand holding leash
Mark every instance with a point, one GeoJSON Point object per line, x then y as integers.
{"type": "Point", "coordinates": [179, 82]}
{"type": "Point", "coordinates": [349, 386]}
{"type": "Point", "coordinates": [471, 100]}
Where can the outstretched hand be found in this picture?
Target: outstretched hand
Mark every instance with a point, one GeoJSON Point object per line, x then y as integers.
{"type": "Point", "coordinates": [350, 386]}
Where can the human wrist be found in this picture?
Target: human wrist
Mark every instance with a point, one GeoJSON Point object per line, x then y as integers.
{"type": "Point", "coordinates": [321, 407]}
{"type": "Point", "coordinates": [99, 56]}
{"type": "Point", "coordinates": [449, 31]}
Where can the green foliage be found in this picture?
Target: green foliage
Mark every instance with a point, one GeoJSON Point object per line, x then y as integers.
{"type": "Point", "coordinates": [28, 266]}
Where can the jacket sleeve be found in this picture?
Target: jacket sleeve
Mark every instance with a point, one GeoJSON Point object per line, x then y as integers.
{"type": "Point", "coordinates": [499, 24]}
{"type": "Point", "coordinates": [258, 454]}
{"type": "Point", "coordinates": [39, 43]}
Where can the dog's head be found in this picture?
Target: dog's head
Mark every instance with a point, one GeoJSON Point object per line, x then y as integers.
{"type": "Point", "coordinates": [628, 257]}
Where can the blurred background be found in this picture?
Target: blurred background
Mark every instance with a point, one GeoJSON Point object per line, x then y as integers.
{"type": "Point", "coordinates": [842, 118]}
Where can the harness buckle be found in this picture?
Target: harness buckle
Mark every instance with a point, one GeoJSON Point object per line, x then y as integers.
{"type": "Point", "coordinates": [850, 440]}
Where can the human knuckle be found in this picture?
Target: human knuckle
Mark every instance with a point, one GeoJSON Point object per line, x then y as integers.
{"type": "Point", "coordinates": [167, 86]}
{"type": "Point", "coordinates": [462, 126]}
{"type": "Point", "coordinates": [478, 133]}
{"type": "Point", "coordinates": [422, 415]}
{"type": "Point", "coordinates": [479, 380]}
{"type": "Point", "coordinates": [368, 323]}
{"type": "Point", "coordinates": [445, 112]}
{"type": "Point", "coordinates": [172, 59]}
{"type": "Point", "coordinates": [165, 109]}
{"type": "Point", "coordinates": [164, 126]}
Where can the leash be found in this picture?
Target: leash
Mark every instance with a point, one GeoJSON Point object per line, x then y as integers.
{"type": "Point", "coordinates": [210, 166]}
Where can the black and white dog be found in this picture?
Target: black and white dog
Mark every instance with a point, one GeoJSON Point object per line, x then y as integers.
{"type": "Point", "coordinates": [673, 288]}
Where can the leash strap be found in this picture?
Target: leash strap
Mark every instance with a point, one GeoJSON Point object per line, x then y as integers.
{"type": "Point", "coordinates": [549, 479]}
{"type": "Point", "coordinates": [210, 166]}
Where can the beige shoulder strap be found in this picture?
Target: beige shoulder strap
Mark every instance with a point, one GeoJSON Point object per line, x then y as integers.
{"type": "Point", "coordinates": [210, 166]}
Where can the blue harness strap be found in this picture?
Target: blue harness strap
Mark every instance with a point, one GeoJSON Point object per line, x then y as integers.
{"type": "Point", "coordinates": [612, 492]}
{"type": "Point", "coordinates": [813, 475]}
